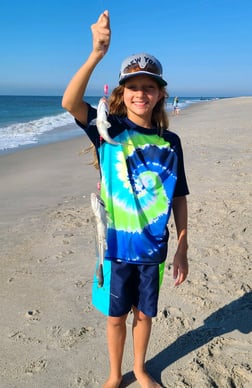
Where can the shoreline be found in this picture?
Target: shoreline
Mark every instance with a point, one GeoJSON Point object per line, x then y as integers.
{"type": "Point", "coordinates": [57, 135]}
{"type": "Point", "coordinates": [51, 336]}
{"type": "Point", "coordinates": [69, 130]}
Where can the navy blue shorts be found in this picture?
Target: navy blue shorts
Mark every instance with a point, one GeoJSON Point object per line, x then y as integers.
{"type": "Point", "coordinates": [127, 285]}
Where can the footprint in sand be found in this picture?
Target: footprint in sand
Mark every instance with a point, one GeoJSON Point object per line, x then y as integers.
{"type": "Point", "coordinates": [61, 255]}
{"type": "Point", "coordinates": [85, 382]}
{"type": "Point", "coordinates": [19, 336]}
{"type": "Point", "coordinates": [242, 375]}
{"type": "Point", "coordinates": [17, 274]}
{"type": "Point", "coordinates": [172, 315]}
{"type": "Point", "coordinates": [36, 366]}
{"type": "Point", "coordinates": [68, 338]}
{"type": "Point", "coordinates": [225, 373]}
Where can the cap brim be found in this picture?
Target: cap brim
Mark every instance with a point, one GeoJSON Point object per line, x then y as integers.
{"type": "Point", "coordinates": [157, 78]}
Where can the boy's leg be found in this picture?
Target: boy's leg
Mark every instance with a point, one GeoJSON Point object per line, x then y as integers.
{"type": "Point", "coordinates": [116, 334]}
{"type": "Point", "coordinates": [141, 330]}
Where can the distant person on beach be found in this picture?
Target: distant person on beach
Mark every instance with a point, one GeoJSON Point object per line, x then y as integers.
{"type": "Point", "coordinates": [175, 106]}
{"type": "Point", "coordinates": [142, 179]}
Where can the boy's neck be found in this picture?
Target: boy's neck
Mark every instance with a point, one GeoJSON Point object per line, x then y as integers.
{"type": "Point", "coordinates": [140, 121]}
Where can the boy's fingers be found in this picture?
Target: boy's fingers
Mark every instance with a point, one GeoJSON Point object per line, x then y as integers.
{"type": "Point", "coordinates": [180, 274]}
{"type": "Point", "coordinates": [104, 18]}
{"type": "Point", "coordinates": [180, 279]}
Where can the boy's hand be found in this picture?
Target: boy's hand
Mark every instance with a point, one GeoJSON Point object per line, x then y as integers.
{"type": "Point", "coordinates": [101, 34]}
{"type": "Point", "coordinates": [180, 268]}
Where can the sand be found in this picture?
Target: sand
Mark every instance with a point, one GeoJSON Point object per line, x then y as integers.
{"type": "Point", "coordinates": [50, 334]}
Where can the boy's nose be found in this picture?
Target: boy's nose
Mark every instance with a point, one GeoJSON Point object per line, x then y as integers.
{"type": "Point", "coordinates": [140, 91]}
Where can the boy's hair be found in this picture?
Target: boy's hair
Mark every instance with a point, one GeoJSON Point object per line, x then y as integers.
{"type": "Point", "coordinates": [117, 107]}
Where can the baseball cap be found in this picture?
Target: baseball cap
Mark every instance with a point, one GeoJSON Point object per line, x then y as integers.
{"type": "Point", "coordinates": [141, 64]}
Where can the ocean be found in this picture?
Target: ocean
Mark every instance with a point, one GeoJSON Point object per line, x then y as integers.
{"type": "Point", "coordinates": [27, 121]}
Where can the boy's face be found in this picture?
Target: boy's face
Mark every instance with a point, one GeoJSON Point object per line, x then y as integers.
{"type": "Point", "coordinates": [141, 94]}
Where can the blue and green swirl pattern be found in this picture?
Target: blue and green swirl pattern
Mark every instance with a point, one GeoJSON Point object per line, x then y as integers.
{"type": "Point", "coordinates": [138, 181]}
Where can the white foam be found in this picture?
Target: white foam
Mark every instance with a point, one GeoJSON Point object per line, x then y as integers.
{"type": "Point", "coordinates": [15, 135]}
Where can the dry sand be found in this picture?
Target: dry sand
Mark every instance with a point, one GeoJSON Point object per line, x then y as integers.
{"type": "Point", "coordinates": [52, 337]}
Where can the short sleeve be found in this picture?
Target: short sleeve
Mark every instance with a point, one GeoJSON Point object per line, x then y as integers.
{"type": "Point", "coordinates": [181, 187]}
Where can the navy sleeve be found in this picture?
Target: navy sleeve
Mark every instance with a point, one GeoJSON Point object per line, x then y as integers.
{"type": "Point", "coordinates": [181, 188]}
{"type": "Point", "coordinates": [90, 129]}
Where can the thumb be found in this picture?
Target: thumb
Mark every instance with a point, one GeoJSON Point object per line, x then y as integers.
{"type": "Point", "coordinates": [175, 271]}
{"type": "Point", "coordinates": [104, 18]}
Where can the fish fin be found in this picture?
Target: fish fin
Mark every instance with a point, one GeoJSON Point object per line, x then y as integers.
{"type": "Point", "coordinates": [107, 124]}
{"type": "Point", "coordinates": [93, 122]}
{"type": "Point", "coordinates": [97, 122]}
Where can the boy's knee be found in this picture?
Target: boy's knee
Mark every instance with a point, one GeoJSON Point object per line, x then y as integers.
{"type": "Point", "coordinates": [140, 316]}
{"type": "Point", "coordinates": [117, 321]}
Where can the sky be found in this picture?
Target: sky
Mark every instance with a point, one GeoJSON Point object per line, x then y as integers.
{"type": "Point", "coordinates": [205, 46]}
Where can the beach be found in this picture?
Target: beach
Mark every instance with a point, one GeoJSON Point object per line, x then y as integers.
{"type": "Point", "coordinates": [51, 335]}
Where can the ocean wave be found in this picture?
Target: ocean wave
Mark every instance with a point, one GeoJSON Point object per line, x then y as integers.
{"type": "Point", "coordinates": [15, 135]}
{"type": "Point", "coordinates": [31, 132]}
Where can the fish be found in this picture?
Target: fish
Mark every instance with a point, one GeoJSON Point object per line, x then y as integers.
{"type": "Point", "coordinates": [99, 211]}
{"type": "Point", "coordinates": [102, 123]}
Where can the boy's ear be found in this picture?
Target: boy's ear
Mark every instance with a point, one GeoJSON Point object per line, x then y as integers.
{"type": "Point", "coordinates": [161, 95]}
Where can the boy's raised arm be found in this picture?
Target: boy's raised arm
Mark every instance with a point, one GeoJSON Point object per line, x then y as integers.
{"type": "Point", "coordinates": [72, 99]}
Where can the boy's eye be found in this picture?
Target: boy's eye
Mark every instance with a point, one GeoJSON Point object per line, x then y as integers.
{"type": "Point", "coordinates": [143, 88]}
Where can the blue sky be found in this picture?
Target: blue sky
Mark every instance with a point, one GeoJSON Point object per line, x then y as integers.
{"type": "Point", "coordinates": [205, 46]}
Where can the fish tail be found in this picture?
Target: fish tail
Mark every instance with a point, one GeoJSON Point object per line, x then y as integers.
{"type": "Point", "coordinates": [100, 275]}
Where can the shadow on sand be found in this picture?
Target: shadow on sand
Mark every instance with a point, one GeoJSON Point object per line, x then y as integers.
{"type": "Point", "coordinates": [235, 316]}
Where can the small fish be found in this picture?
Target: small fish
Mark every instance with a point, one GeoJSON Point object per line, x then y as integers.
{"type": "Point", "coordinates": [99, 211]}
{"type": "Point", "coordinates": [102, 123]}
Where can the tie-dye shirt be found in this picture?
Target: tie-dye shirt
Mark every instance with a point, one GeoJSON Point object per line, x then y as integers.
{"type": "Point", "coordinates": [139, 178]}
